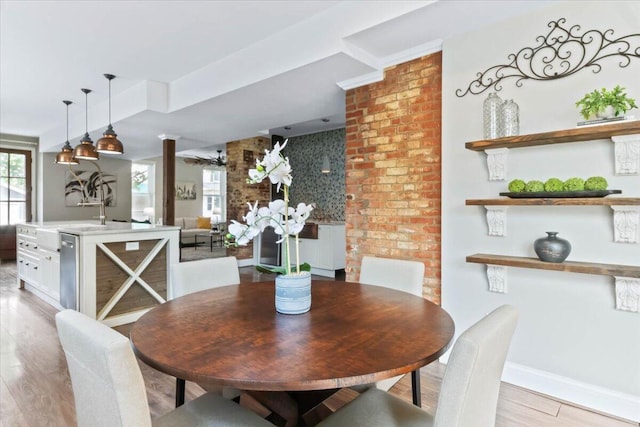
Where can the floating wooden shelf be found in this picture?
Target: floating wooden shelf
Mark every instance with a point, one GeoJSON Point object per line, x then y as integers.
{"type": "Point", "coordinates": [570, 266]}
{"type": "Point", "coordinates": [580, 134]}
{"type": "Point", "coordinates": [579, 201]}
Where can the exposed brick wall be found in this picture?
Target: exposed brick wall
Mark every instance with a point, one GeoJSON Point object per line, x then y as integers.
{"type": "Point", "coordinates": [239, 193]}
{"type": "Point", "coordinates": [394, 169]}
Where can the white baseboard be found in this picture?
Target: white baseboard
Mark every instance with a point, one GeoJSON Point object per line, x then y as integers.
{"type": "Point", "coordinates": [247, 262]}
{"type": "Point", "coordinates": [600, 399]}
{"type": "Point", "coordinates": [43, 296]}
{"type": "Point", "coordinates": [323, 272]}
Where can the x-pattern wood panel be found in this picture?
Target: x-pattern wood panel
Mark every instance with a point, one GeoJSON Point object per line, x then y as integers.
{"type": "Point", "coordinates": [120, 258]}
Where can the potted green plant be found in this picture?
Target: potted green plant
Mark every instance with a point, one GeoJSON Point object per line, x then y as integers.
{"type": "Point", "coordinates": [605, 104]}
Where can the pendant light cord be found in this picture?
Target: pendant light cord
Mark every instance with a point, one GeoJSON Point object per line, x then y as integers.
{"type": "Point", "coordinates": [67, 122]}
{"type": "Point", "coordinates": [109, 101]}
{"type": "Point", "coordinates": [86, 113]}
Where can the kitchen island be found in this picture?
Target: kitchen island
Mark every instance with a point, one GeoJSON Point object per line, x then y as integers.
{"type": "Point", "coordinates": [113, 273]}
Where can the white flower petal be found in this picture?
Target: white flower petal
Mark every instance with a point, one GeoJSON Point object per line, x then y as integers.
{"type": "Point", "coordinates": [295, 227]}
{"type": "Point", "coordinates": [256, 176]}
{"type": "Point", "coordinates": [277, 206]}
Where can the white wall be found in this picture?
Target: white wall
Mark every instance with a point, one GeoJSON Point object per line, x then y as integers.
{"type": "Point", "coordinates": [51, 195]}
{"type": "Point", "coordinates": [184, 172]}
{"type": "Point", "coordinates": [570, 341]}
{"type": "Point", "coordinates": [189, 173]}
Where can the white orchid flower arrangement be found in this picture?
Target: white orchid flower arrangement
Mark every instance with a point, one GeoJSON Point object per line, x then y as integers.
{"type": "Point", "coordinates": [285, 220]}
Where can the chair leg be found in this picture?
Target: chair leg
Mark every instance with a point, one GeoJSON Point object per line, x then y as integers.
{"type": "Point", "coordinates": [180, 385]}
{"type": "Point", "coordinates": [415, 388]}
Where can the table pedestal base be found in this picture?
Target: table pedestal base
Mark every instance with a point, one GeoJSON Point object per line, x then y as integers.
{"type": "Point", "coordinates": [296, 409]}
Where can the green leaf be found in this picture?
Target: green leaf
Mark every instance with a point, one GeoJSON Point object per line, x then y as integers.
{"type": "Point", "coordinates": [305, 267]}
{"type": "Point", "coordinates": [276, 270]}
{"type": "Point", "coordinates": [598, 100]}
{"type": "Point", "coordinates": [282, 270]}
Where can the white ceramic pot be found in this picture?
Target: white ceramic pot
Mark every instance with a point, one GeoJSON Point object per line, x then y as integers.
{"type": "Point", "coordinates": [606, 113]}
{"type": "Point", "coordinates": [293, 293]}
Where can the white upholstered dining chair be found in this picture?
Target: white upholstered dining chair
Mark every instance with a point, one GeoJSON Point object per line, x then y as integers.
{"type": "Point", "coordinates": [194, 276]}
{"type": "Point", "coordinates": [470, 386]}
{"type": "Point", "coordinates": [398, 274]}
{"type": "Point", "coordinates": [109, 389]}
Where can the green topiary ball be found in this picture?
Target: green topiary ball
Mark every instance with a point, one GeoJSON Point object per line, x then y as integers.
{"type": "Point", "coordinates": [553, 184]}
{"type": "Point", "coordinates": [516, 186]}
{"type": "Point", "coordinates": [534, 186]}
{"type": "Point", "coordinates": [574, 184]}
{"type": "Point", "coordinates": [596, 183]}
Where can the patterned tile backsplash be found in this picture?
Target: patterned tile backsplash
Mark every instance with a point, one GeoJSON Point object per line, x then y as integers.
{"type": "Point", "coordinates": [310, 185]}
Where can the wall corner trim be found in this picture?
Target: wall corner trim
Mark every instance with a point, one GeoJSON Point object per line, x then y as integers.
{"type": "Point", "coordinates": [413, 53]}
{"type": "Point", "coordinates": [363, 80]}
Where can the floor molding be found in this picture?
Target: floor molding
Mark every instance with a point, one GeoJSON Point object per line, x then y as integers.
{"type": "Point", "coordinates": [586, 395]}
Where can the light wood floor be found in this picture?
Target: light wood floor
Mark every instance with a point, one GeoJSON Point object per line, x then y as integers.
{"type": "Point", "coordinates": [35, 389]}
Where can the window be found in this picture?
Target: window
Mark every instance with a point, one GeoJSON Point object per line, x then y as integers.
{"type": "Point", "coordinates": [15, 186]}
{"type": "Point", "coordinates": [213, 192]}
{"type": "Point", "coordinates": [143, 191]}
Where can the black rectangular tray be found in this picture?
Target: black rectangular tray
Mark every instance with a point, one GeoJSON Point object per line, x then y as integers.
{"type": "Point", "coordinates": [559, 194]}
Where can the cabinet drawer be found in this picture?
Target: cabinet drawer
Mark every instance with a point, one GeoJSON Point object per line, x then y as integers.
{"type": "Point", "coordinates": [27, 243]}
{"type": "Point", "coordinates": [28, 268]}
{"type": "Point", "coordinates": [27, 230]}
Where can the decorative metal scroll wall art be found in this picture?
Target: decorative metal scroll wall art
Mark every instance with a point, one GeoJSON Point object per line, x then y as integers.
{"type": "Point", "coordinates": [560, 53]}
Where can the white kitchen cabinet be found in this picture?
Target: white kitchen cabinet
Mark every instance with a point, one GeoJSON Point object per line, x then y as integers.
{"type": "Point", "coordinates": [27, 256]}
{"type": "Point", "coordinates": [38, 267]}
{"type": "Point", "coordinates": [308, 249]}
{"type": "Point", "coordinates": [94, 274]}
{"type": "Point", "coordinates": [326, 254]}
{"type": "Point", "coordinates": [49, 265]}
{"type": "Point", "coordinates": [28, 270]}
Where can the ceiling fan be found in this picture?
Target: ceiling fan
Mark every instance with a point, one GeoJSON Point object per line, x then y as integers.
{"type": "Point", "coordinates": [210, 161]}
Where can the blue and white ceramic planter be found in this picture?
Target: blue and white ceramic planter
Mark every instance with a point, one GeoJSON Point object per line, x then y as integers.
{"type": "Point", "coordinates": [293, 293]}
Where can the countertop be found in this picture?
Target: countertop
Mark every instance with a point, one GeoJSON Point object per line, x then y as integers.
{"type": "Point", "coordinates": [95, 228]}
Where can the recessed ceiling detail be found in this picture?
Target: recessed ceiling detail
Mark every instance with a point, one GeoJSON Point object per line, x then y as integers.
{"type": "Point", "coordinates": [284, 63]}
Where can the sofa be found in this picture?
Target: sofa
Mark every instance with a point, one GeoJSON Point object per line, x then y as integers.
{"type": "Point", "coordinates": [190, 226]}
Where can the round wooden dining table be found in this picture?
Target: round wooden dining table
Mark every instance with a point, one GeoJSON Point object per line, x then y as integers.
{"type": "Point", "coordinates": [353, 334]}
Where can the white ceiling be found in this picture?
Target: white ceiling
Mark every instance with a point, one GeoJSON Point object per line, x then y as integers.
{"type": "Point", "coordinates": [209, 71]}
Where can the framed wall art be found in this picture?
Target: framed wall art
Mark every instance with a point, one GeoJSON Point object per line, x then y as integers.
{"type": "Point", "coordinates": [84, 186]}
{"type": "Point", "coordinates": [185, 190]}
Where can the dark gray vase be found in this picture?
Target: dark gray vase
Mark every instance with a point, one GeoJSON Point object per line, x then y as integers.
{"type": "Point", "coordinates": [552, 248]}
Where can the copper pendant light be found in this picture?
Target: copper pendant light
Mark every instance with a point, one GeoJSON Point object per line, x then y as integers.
{"type": "Point", "coordinates": [65, 156]}
{"type": "Point", "coordinates": [109, 143]}
{"type": "Point", "coordinates": [85, 150]}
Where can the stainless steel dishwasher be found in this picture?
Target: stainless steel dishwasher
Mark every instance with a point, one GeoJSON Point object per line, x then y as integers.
{"type": "Point", "coordinates": [69, 271]}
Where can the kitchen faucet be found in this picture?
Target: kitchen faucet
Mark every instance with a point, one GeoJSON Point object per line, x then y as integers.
{"type": "Point", "coordinates": [103, 210]}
